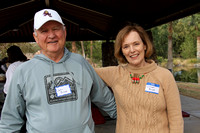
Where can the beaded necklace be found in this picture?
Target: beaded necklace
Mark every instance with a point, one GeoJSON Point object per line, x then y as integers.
{"type": "Point", "coordinates": [136, 78]}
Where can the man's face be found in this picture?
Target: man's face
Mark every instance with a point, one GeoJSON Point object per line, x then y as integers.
{"type": "Point", "coordinates": [51, 38]}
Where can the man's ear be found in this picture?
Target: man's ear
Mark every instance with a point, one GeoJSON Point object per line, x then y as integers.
{"type": "Point", "coordinates": [65, 31]}
{"type": "Point", "coordinates": [35, 36]}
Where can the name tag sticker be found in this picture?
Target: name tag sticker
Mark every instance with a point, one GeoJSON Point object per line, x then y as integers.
{"type": "Point", "coordinates": [63, 90]}
{"type": "Point", "coordinates": [152, 88]}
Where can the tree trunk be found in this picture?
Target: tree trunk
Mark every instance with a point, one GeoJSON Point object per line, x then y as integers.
{"type": "Point", "coordinates": [170, 54]}
{"type": "Point", "coordinates": [83, 51]}
{"type": "Point", "coordinates": [74, 49]}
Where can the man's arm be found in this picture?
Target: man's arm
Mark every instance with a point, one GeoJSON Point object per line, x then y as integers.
{"type": "Point", "coordinates": [101, 95]}
{"type": "Point", "coordinates": [13, 109]}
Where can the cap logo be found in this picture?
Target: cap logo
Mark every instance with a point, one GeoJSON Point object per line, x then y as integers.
{"type": "Point", "coordinates": [47, 13]}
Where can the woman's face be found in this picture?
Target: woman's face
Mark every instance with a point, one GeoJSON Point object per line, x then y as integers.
{"type": "Point", "coordinates": [134, 49]}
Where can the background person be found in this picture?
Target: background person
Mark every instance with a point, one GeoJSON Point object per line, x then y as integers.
{"type": "Point", "coordinates": [3, 65]}
{"type": "Point", "coordinates": [146, 95]}
{"type": "Point", "coordinates": [55, 88]}
{"type": "Point", "coordinates": [15, 58]}
{"type": "Point", "coordinates": [2, 70]}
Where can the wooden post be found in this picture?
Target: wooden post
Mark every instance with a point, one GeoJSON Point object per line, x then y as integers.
{"type": "Point", "coordinates": [108, 58]}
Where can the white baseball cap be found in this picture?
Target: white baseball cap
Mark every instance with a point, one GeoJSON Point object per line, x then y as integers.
{"type": "Point", "coordinates": [45, 15]}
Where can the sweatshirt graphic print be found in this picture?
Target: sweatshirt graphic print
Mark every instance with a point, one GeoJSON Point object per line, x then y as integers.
{"type": "Point", "coordinates": [61, 89]}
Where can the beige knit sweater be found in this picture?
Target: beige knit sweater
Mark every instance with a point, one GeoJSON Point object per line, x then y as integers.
{"type": "Point", "coordinates": [144, 112]}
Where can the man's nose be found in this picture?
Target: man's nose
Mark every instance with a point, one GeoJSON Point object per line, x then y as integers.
{"type": "Point", "coordinates": [51, 34]}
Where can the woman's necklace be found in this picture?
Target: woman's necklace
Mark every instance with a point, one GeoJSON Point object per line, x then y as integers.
{"type": "Point", "coordinates": [136, 78]}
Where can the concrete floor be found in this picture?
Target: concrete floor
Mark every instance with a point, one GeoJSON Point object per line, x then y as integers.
{"type": "Point", "coordinates": [108, 127]}
{"type": "Point", "coordinates": [191, 106]}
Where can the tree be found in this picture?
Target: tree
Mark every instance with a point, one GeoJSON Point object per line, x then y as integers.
{"type": "Point", "coordinates": [74, 49]}
{"type": "Point", "coordinates": [186, 31]}
{"type": "Point", "coordinates": [159, 34]}
{"type": "Point", "coordinates": [91, 50]}
{"type": "Point", "coordinates": [185, 34]}
{"type": "Point", "coordinates": [170, 48]}
{"type": "Point", "coordinates": [83, 51]}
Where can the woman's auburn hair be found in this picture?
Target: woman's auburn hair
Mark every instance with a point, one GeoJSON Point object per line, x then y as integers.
{"type": "Point", "coordinates": [123, 33]}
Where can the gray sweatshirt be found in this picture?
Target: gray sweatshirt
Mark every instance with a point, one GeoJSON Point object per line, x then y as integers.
{"type": "Point", "coordinates": [55, 97]}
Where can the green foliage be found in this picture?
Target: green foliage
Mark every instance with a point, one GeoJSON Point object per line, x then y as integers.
{"type": "Point", "coordinates": [160, 39]}
{"type": "Point", "coordinates": [78, 45]}
{"type": "Point", "coordinates": [184, 37]}
{"type": "Point", "coordinates": [97, 51]}
{"type": "Point", "coordinates": [96, 45]}
{"type": "Point", "coordinates": [194, 61]}
{"type": "Point", "coordinates": [188, 49]}
{"type": "Point", "coordinates": [186, 76]}
{"type": "Point", "coordinates": [160, 59]}
{"type": "Point", "coordinates": [25, 47]}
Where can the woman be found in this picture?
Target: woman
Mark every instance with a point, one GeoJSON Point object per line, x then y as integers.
{"type": "Point", "coordinates": [147, 96]}
{"type": "Point", "coordinates": [15, 58]}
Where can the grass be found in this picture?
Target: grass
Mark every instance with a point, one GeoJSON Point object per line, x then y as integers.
{"type": "Point", "coordinates": [180, 62]}
{"type": "Point", "coordinates": [189, 89]}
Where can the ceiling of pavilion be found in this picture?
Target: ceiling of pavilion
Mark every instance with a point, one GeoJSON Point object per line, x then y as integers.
{"type": "Point", "coordinates": [90, 19]}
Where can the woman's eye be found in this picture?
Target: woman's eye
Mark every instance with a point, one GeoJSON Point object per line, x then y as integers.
{"type": "Point", "coordinates": [137, 43]}
{"type": "Point", "coordinates": [125, 46]}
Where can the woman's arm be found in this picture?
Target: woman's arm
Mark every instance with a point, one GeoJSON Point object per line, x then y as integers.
{"type": "Point", "coordinates": [107, 74]}
{"type": "Point", "coordinates": [173, 102]}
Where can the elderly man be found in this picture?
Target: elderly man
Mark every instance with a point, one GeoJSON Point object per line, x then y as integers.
{"type": "Point", "coordinates": [54, 90]}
